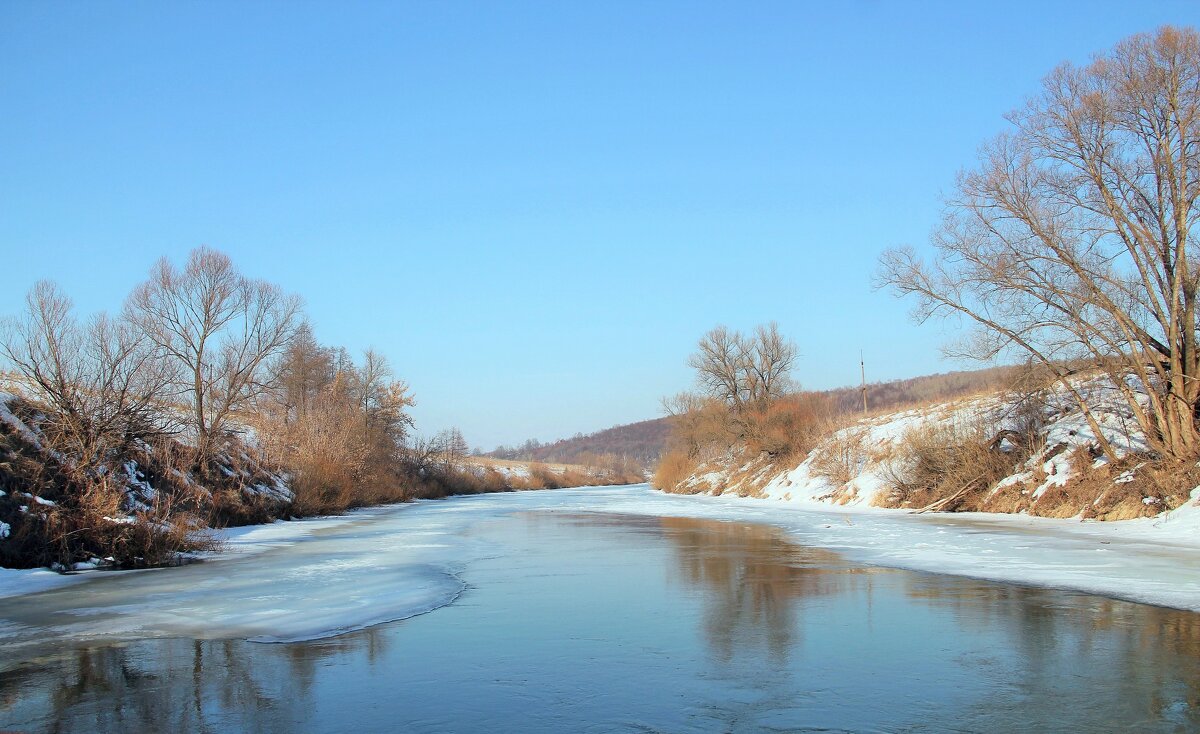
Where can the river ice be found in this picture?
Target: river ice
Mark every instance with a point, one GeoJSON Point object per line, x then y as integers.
{"type": "Point", "coordinates": [319, 578]}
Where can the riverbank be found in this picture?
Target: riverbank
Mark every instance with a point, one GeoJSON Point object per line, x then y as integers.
{"type": "Point", "coordinates": [1003, 452]}
{"type": "Point", "coordinates": [149, 503]}
{"type": "Point", "coordinates": [233, 542]}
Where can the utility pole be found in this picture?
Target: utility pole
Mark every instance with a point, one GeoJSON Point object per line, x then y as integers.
{"type": "Point", "coordinates": [862, 365]}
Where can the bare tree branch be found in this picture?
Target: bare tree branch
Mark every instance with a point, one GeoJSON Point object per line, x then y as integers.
{"type": "Point", "coordinates": [221, 329]}
{"type": "Point", "coordinates": [1072, 240]}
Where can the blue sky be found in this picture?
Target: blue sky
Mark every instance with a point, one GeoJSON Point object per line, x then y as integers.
{"type": "Point", "coordinates": [533, 209]}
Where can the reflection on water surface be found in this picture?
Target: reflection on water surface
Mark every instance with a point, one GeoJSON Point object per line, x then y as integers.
{"type": "Point", "coordinates": [578, 622]}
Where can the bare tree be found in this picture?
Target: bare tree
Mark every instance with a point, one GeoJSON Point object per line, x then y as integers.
{"type": "Point", "coordinates": [769, 364]}
{"type": "Point", "coordinates": [382, 399]}
{"type": "Point", "coordinates": [720, 361]}
{"type": "Point", "coordinates": [699, 423]}
{"type": "Point", "coordinates": [440, 454]}
{"type": "Point", "coordinates": [222, 329]}
{"type": "Point", "coordinates": [383, 404]}
{"type": "Point", "coordinates": [744, 371]}
{"type": "Point", "coordinates": [302, 372]}
{"type": "Point", "coordinates": [452, 446]}
{"type": "Point", "coordinates": [1072, 241]}
{"type": "Point", "coordinates": [103, 380]}
{"type": "Point", "coordinates": [420, 454]}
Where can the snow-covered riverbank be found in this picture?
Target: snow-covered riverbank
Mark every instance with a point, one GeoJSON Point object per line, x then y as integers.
{"type": "Point", "coordinates": [1003, 452]}
{"type": "Point", "coordinates": [236, 542]}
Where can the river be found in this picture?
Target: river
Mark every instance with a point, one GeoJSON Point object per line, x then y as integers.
{"type": "Point", "coordinates": [565, 611]}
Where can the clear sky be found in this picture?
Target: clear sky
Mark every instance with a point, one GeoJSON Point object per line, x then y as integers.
{"type": "Point", "coordinates": [533, 209]}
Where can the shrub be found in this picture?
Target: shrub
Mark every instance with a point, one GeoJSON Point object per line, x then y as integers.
{"type": "Point", "coordinates": [842, 457]}
{"type": "Point", "coordinates": [91, 522]}
{"type": "Point", "coordinates": [540, 477]}
{"type": "Point", "coordinates": [941, 466]}
{"type": "Point", "coordinates": [674, 467]}
{"type": "Point", "coordinates": [790, 426]}
{"type": "Point", "coordinates": [701, 427]}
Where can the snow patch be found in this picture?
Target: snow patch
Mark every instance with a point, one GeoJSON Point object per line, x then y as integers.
{"type": "Point", "coordinates": [869, 450]}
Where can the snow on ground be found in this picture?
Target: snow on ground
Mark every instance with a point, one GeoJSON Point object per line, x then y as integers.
{"type": "Point", "coordinates": [869, 449]}
{"type": "Point", "coordinates": [281, 582]}
{"type": "Point", "coordinates": [235, 542]}
{"type": "Point", "coordinates": [18, 581]}
{"type": "Point", "coordinates": [509, 469]}
{"type": "Point", "coordinates": [18, 425]}
{"type": "Point", "coordinates": [251, 539]}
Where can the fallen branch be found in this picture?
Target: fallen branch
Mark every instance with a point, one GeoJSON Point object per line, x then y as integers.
{"type": "Point", "coordinates": [937, 505]}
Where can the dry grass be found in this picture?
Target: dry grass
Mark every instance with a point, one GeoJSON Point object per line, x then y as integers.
{"type": "Point", "coordinates": [673, 469]}
{"type": "Point", "coordinates": [489, 462]}
{"type": "Point", "coordinates": [948, 467]}
{"type": "Point", "coordinates": [604, 470]}
{"type": "Point", "coordinates": [61, 513]}
{"type": "Point", "coordinates": [323, 483]}
{"type": "Point", "coordinates": [957, 467]}
{"type": "Point", "coordinates": [450, 481]}
{"type": "Point", "coordinates": [843, 456]}
{"type": "Point", "coordinates": [89, 521]}
{"type": "Point", "coordinates": [479, 475]}
{"type": "Point", "coordinates": [789, 427]}
{"type": "Point", "coordinates": [1134, 487]}
{"type": "Point", "coordinates": [751, 476]}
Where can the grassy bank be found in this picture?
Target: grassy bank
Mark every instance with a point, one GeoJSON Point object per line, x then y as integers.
{"type": "Point", "coordinates": [150, 502]}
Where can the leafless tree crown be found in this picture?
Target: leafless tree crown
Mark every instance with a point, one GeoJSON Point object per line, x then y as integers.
{"type": "Point", "coordinates": [1072, 239]}
{"type": "Point", "coordinates": [744, 371]}
{"type": "Point", "coordinates": [221, 329]}
{"type": "Point", "coordinates": [103, 378]}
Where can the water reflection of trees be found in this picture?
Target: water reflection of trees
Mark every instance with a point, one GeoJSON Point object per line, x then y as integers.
{"type": "Point", "coordinates": [1060, 644]}
{"type": "Point", "coordinates": [1055, 657]}
{"type": "Point", "coordinates": [1138, 667]}
{"type": "Point", "coordinates": [756, 579]}
{"type": "Point", "coordinates": [176, 685]}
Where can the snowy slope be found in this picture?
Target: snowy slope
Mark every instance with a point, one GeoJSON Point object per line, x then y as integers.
{"type": "Point", "coordinates": [869, 452]}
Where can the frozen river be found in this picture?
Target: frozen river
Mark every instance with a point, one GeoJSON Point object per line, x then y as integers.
{"type": "Point", "coordinates": [617, 610]}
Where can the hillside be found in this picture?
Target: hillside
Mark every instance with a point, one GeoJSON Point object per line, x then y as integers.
{"type": "Point", "coordinates": [518, 475]}
{"type": "Point", "coordinates": [642, 442]}
{"type": "Point", "coordinates": [917, 390]}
